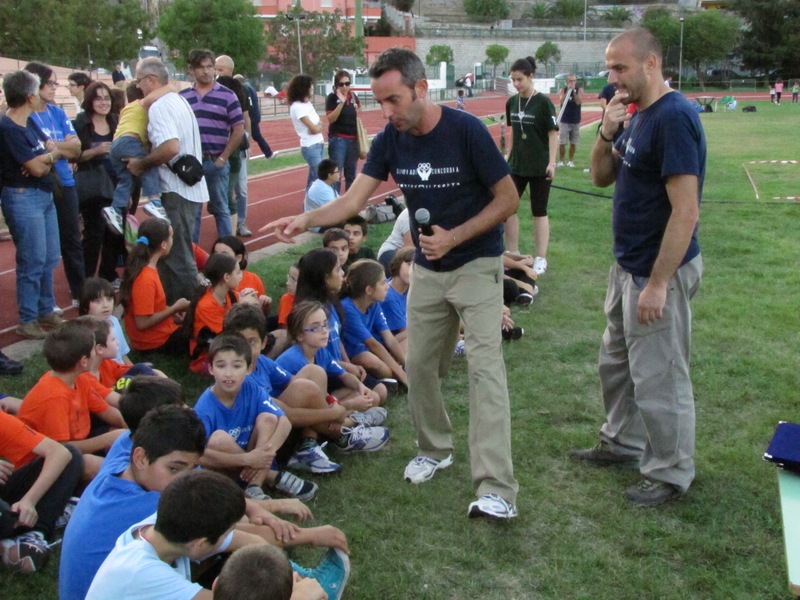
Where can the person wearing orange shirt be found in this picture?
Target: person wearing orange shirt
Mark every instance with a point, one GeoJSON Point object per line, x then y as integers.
{"type": "Point", "coordinates": [151, 325]}
{"type": "Point", "coordinates": [59, 405]}
{"type": "Point", "coordinates": [37, 478]}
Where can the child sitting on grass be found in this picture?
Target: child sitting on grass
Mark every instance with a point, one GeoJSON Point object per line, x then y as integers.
{"type": "Point", "coordinates": [244, 427]}
{"type": "Point", "coordinates": [287, 300]}
{"type": "Point", "coordinates": [59, 405]}
{"type": "Point", "coordinates": [366, 287]}
{"type": "Point", "coordinates": [320, 279]}
{"type": "Point", "coordinates": [103, 367]}
{"type": "Point", "coordinates": [357, 232]}
{"type": "Point", "coordinates": [308, 329]}
{"type": "Point", "coordinates": [339, 241]}
{"type": "Point", "coordinates": [207, 310]}
{"type": "Point", "coordinates": [38, 477]}
{"type": "Point", "coordinates": [394, 305]}
{"type": "Point", "coordinates": [130, 141]}
{"type": "Point", "coordinates": [97, 299]}
{"type": "Point", "coordinates": [149, 322]}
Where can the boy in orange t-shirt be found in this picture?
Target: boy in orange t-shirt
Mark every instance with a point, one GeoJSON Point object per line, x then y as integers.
{"type": "Point", "coordinates": [59, 405]}
{"type": "Point", "coordinates": [287, 300]}
{"type": "Point", "coordinates": [38, 477]}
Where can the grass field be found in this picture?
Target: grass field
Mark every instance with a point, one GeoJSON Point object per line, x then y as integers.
{"type": "Point", "coordinates": [576, 538]}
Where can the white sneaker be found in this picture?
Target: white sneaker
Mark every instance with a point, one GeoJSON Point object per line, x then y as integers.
{"type": "Point", "coordinates": [422, 468]}
{"type": "Point", "coordinates": [560, 163]}
{"type": "Point", "coordinates": [570, 164]}
{"type": "Point", "coordinates": [540, 265]}
{"type": "Point", "coordinates": [312, 460]}
{"type": "Point", "coordinates": [363, 439]}
{"type": "Point", "coordinates": [371, 417]}
{"type": "Point", "coordinates": [274, 154]}
{"type": "Point", "coordinates": [492, 506]}
{"type": "Point", "coordinates": [155, 209]}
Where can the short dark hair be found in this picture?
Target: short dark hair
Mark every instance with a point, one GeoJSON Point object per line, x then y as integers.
{"type": "Point", "coordinates": [90, 94]}
{"type": "Point", "coordinates": [199, 504]}
{"type": "Point", "coordinates": [300, 312]}
{"type": "Point", "coordinates": [526, 66]}
{"type": "Point", "coordinates": [334, 234]}
{"type": "Point", "coordinates": [399, 59]}
{"type": "Point", "coordinates": [198, 56]}
{"type": "Point", "coordinates": [67, 344]}
{"type": "Point", "coordinates": [245, 316]}
{"type": "Point", "coordinates": [43, 71]}
{"type": "Point", "coordinates": [167, 429]}
{"type": "Point", "coordinates": [81, 79]}
{"type": "Point", "coordinates": [132, 92]}
{"type": "Point", "coordinates": [146, 392]}
{"type": "Point", "coordinates": [100, 328]}
{"type": "Point", "coordinates": [404, 255]}
{"type": "Point", "coordinates": [18, 85]}
{"type": "Point", "coordinates": [93, 289]}
{"type": "Point", "coordinates": [255, 573]}
{"type": "Point", "coordinates": [360, 221]}
{"type": "Point", "coordinates": [230, 341]}
{"type": "Point", "coordinates": [235, 244]}
{"type": "Point", "coordinates": [326, 168]}
{"type": "Point", "coordinates": [299, 88]}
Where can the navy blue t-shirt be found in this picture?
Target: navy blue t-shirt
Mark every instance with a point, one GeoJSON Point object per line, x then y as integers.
{"type": "Point", "coordinates": [572, 113]}
{"type": "Point", "coordinates": [664, 140]}
{"type": "Point", "coordinates": [449, 171]}
{"type": "Point", "coordinates": [18, 145]}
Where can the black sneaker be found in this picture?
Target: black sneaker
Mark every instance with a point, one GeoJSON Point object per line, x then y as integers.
{"type": "Point", "coordinates": [601, 455]}
{"type": "Point", "coordinates": [291, 486]}
{"type": "Point", "coordinates": [649, 492]}
{"type": "Point", "coordinates": [9, 366]}
{"type": "Point", "coordinates": [513, 334]}
{"type": "Point", "coordinates": [29, 554]}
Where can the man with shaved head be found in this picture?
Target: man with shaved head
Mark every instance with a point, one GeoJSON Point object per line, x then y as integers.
{"type": "Point", "coordinates": [658, 165]}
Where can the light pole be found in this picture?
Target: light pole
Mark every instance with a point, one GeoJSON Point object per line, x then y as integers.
{"type": "Point", "coordinates": [680, 59]}
{"type": "Point", "coordinates": [585, 10]}
{"type": "Point", "coordinates": [297, 18]}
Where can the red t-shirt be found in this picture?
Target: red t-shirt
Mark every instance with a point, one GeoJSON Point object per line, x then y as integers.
{"type": "Point", "coordinates": [200, 257]}
{"type": "Point", "coordinates": [17, 440]}
{"type": "Point", "coordinates": [148, 298]}
{"type": "Point", "coordinates": [61, 412]}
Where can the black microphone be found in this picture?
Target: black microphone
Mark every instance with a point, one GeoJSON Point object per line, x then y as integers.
{"type": "Point", "coordinates": [423, 219]}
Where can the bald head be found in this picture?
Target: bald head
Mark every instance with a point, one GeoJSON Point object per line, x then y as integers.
{"type": "Point", "coordinates": [642, 43]}
{"type": "Point", "coordinates": [223, 65]}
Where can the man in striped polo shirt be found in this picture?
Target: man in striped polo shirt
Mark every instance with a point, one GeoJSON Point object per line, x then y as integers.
{"type": "Point", "coordinates": [219, 116]}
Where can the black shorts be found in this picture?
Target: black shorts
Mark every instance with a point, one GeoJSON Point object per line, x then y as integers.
{"type": "Point", "coordinates": [539, 192]}
{"type": "Point", "coordinates": [334, 383]}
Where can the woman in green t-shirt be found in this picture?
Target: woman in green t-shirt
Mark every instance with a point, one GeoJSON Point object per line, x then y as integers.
{"type": "Point", "coordinates": [532, 155]}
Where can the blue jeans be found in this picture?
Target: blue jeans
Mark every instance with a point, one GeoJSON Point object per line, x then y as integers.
{"type": "Point", "coordinates": [31, 218]}
{"type": "Point", "coordinates": [130, 147]}
{"type": "Point", "coordinates": [344, 152]}
{"type": "Point", "coordinates": [217, 182]}
{"type": "Point", "coordinates": [313, 156]}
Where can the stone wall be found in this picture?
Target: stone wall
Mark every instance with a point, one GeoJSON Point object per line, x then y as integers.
{"type": "Point", "coordinates": [468, 51]}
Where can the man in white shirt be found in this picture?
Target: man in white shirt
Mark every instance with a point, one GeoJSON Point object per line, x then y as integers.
{"type": "Point", "coordinates": [173, 132]}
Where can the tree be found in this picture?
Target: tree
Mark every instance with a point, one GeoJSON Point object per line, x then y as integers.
{"type": "Point", "coordinates": [771, 38]}
{"type": "Point", "coordinates": [616, 16]}
{"type": "Point", "coordinates": [537, 11]}
{"type": "Point", "coordinates": [402, 5]}
{"type": "Point", "coordinates": [496, 55]}
{"type": "Point", "coordinates": [548, 53]}
{"type": "Point", "coordinates": [324, 36]}
{"type": "Point", "coordinates": [439, 54]}
{"type": "Point", "coordinates": [68, 32]}
{"type": "Point", "coordinates": [485, 11]}
{"type": "Point", "coordinates": [223, 26]}
{"type": "Point", "coordinates": [667, 30]}
{"type": "Point", "coordinates": [709, 37]}
{"type": "Point", "coordinates": [571, 11]}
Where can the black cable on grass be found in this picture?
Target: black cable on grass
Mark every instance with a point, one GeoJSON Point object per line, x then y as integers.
{"type": "Point", "coordinates": [784, 202]}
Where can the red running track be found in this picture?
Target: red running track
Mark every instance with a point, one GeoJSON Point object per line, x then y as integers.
{"type": "Point", "coordinates": [271, 195]}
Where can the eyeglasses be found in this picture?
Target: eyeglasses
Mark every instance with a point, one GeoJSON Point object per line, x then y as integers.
{"type": "Point", "coordinates": [51, 83]}
{"type": "Point", "coordinates": [139, 80]}
{"type": "Point", "coordinates": [318, 328]}
{"type": "Point", "coordinates": [343, 84]}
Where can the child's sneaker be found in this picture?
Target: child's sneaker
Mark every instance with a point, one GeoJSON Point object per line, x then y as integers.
{"type": "Point", "coordinates": [154, 209]}
{"type": "Point", "coordinates": [512, 334]}
{"type": "Point", "coordinates": [332, 573]}
{"type": "Point", "coordinates": [363, 439]}
{"type": "Point", "coordinates": [540, 265]}
{"type": "Point", "coordinates": [114, 220]}
{"type": "Point", "coordinates": [29, 554]}
{"type": "Point", "coordinates": [293, 487]}
{"type": "Point", "coordinates": [254, 492]}
{"type": "Point", "coordinates": [313, 460]}
{"type": "Point", "coordinates": [391, 384]}
{"type": "Point", "coordinates": [371, 417]}
{"type": "Point", "coordinates": [461, 348]}
{"type": "Point", "coordinates": [69, 508]}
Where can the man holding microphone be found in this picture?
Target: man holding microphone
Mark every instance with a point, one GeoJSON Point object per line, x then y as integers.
{"type": "Point", "coordinates": [570, 98]}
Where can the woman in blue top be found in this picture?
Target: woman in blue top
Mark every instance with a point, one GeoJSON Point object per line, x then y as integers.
{"type": "Point", "coordinates": [27, 202]}
{"type": "Point", "coordinates": [55, 126]}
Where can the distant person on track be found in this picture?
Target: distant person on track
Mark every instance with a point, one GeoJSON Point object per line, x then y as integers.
{"type": "Point", "coordinates": [306, 122]}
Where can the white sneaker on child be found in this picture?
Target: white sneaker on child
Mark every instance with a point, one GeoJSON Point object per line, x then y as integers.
{"type": "Point", "coordinates": [154, 209]}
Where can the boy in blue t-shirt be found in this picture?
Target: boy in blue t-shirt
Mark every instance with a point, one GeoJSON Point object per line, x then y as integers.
{"type": "Point", "coordinates": [394, 305]}
{"type": "Point", "coordinates": [244, 427]}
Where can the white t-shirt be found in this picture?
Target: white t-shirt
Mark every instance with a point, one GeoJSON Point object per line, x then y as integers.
{"type": "Point", "coordinates": [133, 571]}
{"type": "Point", "coordinates": [297, 111]}
{"type": "Point", "coordinates": [270, 91]}
{"type": "Point", "coordinates": [319, 194]}
{"type": "Point", "coordinates": [124, 348]}
{"type": "Point", "coordinates": [395, 239]}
